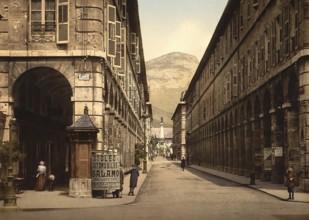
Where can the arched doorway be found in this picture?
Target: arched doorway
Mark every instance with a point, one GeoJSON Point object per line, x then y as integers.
{"type": "Point", "coordinates": [42, 111]}
{"type": "Point", "coordinates": [267, 154]}
{"type": "Point", "coordinates": [279, 140]}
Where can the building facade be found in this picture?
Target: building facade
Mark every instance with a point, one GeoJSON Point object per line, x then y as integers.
{"type": "Point", "coordinates": [57, 56]}
{"type": "Point", "coordinates": [179, 131]}
{"type": "Point", "coordinates": [247, 102]}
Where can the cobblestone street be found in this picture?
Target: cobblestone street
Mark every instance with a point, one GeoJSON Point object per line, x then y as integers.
{"type": "Point", "coordinates": [170, 193]}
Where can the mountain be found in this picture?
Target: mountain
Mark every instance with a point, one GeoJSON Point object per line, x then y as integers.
{"type": "Point", "coordinates": [167, 77]}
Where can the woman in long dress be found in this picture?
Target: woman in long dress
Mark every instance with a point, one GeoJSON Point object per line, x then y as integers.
{"type": "Point", "coordinates": [41, 177]}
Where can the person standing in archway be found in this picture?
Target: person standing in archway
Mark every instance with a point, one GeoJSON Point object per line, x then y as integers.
{"type": "Point", "coordinates": [41, 177]}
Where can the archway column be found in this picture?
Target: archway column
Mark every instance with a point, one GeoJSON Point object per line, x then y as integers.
{"type": "Point", "coordinates": [248, 148]}
{"type": "Point", "coordinates": [242, 148]}
{"type": "Point", "coordinates": [277, 134]}
{"type": "Point", "coordinates": [292, 143]}
{"type": "Point", "coordinates": [303, 91]}
{"type": "Point", "coordinates": [256, 147]}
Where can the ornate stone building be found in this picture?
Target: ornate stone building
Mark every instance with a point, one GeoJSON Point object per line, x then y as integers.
{"type": "Point", "coordinates": [247, 104]}
{"type": "Point", "coordinates": [56, 56]}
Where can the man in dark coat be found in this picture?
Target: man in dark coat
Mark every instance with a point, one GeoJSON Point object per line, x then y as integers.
{"type": "Point", "coordinates": [134, 174]}
{"type": "Point", "coordinates": [183, 163]}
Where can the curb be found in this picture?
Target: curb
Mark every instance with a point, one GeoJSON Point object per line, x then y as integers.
{"type": "Point", "coordinates": [248, 185]}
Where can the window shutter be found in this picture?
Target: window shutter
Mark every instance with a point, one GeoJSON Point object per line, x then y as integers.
{"type": "Point", "coordinates": [133, 44]}
{"type": "Point", "coordinates": [62, 21]}
{"type": "Point", "coordinates": [137, 57]}
{"type": "Point", "coordinates": [111, 45]}
{"type": "Point", "coordinates": [235, 91]}
{"type": "Point", "coordinates": [228, 91]}
{"type": "Point", "coordinates": [124, 9]}
{"type": "Point", "coordinates": [117, 60]}
{"type": "Point", "coordinates": [123, 52]}
{"type": "Point", "coordinates": [138, 65]}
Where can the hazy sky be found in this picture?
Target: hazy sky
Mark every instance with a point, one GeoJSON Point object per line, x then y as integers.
{"type": "Point", "coordinates": [178, 25]}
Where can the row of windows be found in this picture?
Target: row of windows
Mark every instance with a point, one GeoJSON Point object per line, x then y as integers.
{"type": "Point", "coordinates": [278, 40]}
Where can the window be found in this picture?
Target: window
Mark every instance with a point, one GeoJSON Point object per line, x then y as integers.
{"type": "Point", "coordinates": [44, 18]}
{"type": "Point", "coordinates": [133, 44]}
{"type": "Point", "coordinates": [43, 15]}
{"type": "Point", "coordinates": [235, 82]}
{"type": "Point", "coordinates": [235, 26]}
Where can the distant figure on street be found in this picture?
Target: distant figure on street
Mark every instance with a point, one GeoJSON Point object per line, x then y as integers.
{"type": "Point", "coordinates": [41, 177]}
{"type": "Point", "coordinates": [183, 163]}
{"type": "Point", "coordinates": [133, 179]}
{"type": "Point", "coordinates": [290, 182]}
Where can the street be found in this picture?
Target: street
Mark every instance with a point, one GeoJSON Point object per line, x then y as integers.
{"type": "Point", "coordinates": [170, 193]}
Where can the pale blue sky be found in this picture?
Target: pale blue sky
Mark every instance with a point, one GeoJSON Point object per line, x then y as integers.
{"type": "Point", "coordinates": [178, 25]}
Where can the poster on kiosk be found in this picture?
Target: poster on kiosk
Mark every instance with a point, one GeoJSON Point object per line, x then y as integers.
{"type": "Point", "coordinates": [105, 171]}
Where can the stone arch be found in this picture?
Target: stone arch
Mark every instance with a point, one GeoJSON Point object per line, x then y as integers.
{"type": "Point", "coordinates": [267, 119]}
{"type": "Point", "coordinates": [42, 110]}
{"type": "Point", "coordinates": [292, 121]}
{"type": "Point", "coordinates": [278, 132]}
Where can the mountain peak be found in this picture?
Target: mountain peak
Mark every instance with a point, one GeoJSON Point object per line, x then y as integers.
{"type": "Point", "coordinates": [168, 76]}
{"type": "Point", "coordinates": [173, 56]}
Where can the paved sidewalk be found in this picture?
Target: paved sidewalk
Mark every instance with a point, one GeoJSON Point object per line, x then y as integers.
{"type": "Point", "coordinates": [59, 199]}
{"type": "Point", "coordinates": [277, 190]}
{"type": "Point", "coordinates": [32, 200]}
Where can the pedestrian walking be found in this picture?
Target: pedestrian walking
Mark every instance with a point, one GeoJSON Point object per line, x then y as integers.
{"type": "Point", "coordinates": [290, 182]}
{"type": "Point", "coordinates": [183, 163]}
{"type": "Point", "coordinates": [40, 177]}
{"type": "Point", "coordinates": [134, 174]}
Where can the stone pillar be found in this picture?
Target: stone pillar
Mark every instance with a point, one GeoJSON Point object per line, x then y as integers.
{"type": "Point", "coordinates": [256, 147]}
{"type": "Point", "coordinates": [277, 130]}
{"type": "Point", "coordinates": [292, 149]}
{"type": "Point", "coordinates": [303, 72]}
{"type": "Point", "coordinates": [82, 137]}
{"type": "Point", "coordinates": [248, 148]}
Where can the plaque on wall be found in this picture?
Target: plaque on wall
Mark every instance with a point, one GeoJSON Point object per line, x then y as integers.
{"type": "Point", "coordinates": [278, 152]}
{"type": "Point", "coordinates": [84, 76]}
